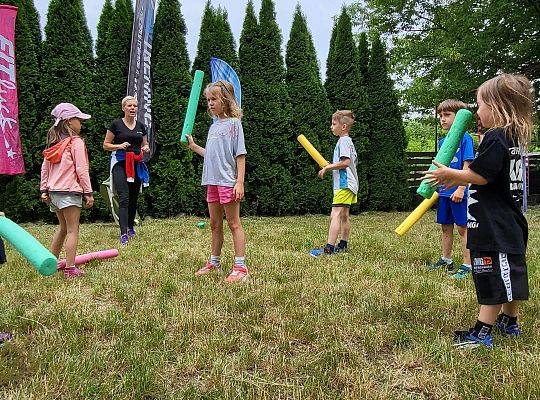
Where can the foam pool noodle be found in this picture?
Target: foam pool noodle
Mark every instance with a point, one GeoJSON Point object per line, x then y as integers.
{"type": "Point", "coordinates": [448, 150]}
{"type": "Point", "coordinates": [28, 246]}
{"type": "Point", "coordinates": [193, 102]}
{"type": "Point", "coordinates": [312, 151]}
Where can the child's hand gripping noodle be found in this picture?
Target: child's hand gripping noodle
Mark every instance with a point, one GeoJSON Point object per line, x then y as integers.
{"type": "Point", "coordinates": [444, 156]}
{"type": "Point", "coordinates": [193, 102]}
{"type": "Point", "coordinates": [312, 151]}
{"type": "Point", "coordinates": [448, 149]}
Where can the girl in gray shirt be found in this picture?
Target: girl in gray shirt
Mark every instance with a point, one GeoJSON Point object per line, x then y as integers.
{"type": "Point", "coordinates": [223, 175]}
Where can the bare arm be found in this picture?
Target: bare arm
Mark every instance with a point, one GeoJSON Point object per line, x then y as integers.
{"type": "Point", "coordinates": [342, 164]}
{"type": "Point", "coordinates": [145, 147]}
{"type": "Point", "coordinates": [108, 143]}
{"type": "Point", "coordinates": [194, 146]}
{"type": "Point", "coordinates": [453, 177]}
{"type": "Point", "coordinates": [240, 175]}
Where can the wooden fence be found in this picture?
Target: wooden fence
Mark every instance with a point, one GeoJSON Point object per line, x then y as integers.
{"type": "Point", "coordinates": [418, 162]}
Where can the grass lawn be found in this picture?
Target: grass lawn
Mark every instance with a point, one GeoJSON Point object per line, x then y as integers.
{"type": "Point", "coordinates": [369, 324]}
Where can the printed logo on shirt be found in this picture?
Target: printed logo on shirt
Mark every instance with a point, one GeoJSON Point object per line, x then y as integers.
{"type": "Point", "coordinates": [471, 221]}
{"type": "Point", "coordinates": [482, 265]}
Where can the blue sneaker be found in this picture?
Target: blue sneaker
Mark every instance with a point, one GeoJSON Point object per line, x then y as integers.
{"type": "Point", "coordinates": [131, 233]}
{"type": "Point", "coordinates": [462, 272]}
{"type": "Point", "coordinates": [316, 252]}
{"type": "Point", "coordinates": [124, 239]}
{"type": "Point", "coordinates": [468, 340]}
{"type": "Point", "coordinates": [319, 252]}
{"type": "Point", "coordinates": [508, 330]}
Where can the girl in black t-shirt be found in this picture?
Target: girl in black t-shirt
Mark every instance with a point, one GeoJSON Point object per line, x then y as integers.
{"type": "Point", "coordinates": [126, 138]}
{"type": "Point", "coordinates": [497, 229]}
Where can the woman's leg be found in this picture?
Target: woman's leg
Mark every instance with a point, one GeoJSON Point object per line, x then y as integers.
{"type": "Point", "coordinates": [122, 189]}
{"type": "Point", "coordinates": [134, 190]}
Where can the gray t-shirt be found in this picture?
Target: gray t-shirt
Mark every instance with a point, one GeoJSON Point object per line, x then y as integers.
{"type": "Point", "coordinates": [345, 178]}
{"type": "Point", "coordinates": [225, 142]}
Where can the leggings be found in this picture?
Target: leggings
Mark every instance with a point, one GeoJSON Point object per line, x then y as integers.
{"type": "Point", "coordinates": [128, 193]}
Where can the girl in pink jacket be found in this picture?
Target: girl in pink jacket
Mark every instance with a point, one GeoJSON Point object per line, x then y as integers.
{"type": "Point", "coordinates": [65, 180]}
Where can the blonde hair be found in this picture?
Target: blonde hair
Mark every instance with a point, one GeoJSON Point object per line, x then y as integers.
{"type": "Point", "coordinates": [54, 135]}
{"type": "Point", "coordinates": [511, 101]}
{"type": "Point", "coordinates": [128, 98]}
{"type": "Point", "coordinates": [225, 93]}
{"type": "Point", "coordinates": [451, 105]}
{"type": "Point", "coordinates": [344, 117]}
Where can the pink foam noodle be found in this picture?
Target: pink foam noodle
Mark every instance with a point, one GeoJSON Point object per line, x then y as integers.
{"type": "Point", "coordinates": [11, 159]}
{"type": "Point", "coordinates": [84, 258]}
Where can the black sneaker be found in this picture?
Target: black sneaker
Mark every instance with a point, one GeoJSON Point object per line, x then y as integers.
{"type": "Point", "coordinates": [441, 263]}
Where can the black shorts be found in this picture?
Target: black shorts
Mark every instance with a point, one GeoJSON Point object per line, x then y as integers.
{"type": "Point", "coordinates": [499, 277]}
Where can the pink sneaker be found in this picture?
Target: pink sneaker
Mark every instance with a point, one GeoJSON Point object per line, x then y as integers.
{"type": "Point", "coordinates": [208, 267]}
{"type": "Point", "coordinates": [238, 274]}
{"type": "Point", "coordinates": [73, 272]}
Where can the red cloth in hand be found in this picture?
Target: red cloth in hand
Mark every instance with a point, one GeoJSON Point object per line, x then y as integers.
{"type": "Point", "coordinates": [131, 159]}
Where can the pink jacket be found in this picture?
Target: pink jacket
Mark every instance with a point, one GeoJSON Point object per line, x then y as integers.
{"type": "Point", "coordinates": [71, 174]}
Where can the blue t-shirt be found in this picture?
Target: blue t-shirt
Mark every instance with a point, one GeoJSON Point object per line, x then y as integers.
{"type": "Point", "coordinates": [465, 152]}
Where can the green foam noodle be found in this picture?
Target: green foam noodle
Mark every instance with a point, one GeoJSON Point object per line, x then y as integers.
{"type": "Point", "coordinates": [448, 149]}
{"type": "Point", "coordinates": [36, 254]}
{"type": "Point", "coordinates": [193, 102]}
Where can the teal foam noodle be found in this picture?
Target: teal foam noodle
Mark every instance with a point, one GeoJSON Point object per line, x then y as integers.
{"type": "Point", "coordinates": [36, 254]}
{"type": "Point", "coordinates": [448, 149]}
{"type": "Point", "coordinates": [193, 102]}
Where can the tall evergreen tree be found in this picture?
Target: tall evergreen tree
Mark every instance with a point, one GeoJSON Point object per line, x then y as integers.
{"type": "Point", "coordinates": [118, 45]}
{"type": "Point", "coordinates": [67, 70]}
{"type": "Point", "coordinates": [269, 139]}
{"type": "Point", "coordinates": [310, 116]}
{"type": "Point", "coordinates": [32, 20]}
{"type": "Point", "coordinates": [25, 188]}
{"type": "Point", "coordinates": [388, 189]}
{"type": "Point", "coordinates": [173, 181]}
{"type": "Point", "coordinates": [363, 58]}
{"type": "Point", "coordinates": [102, 104]}
{"type": "Point", "coordinates": [345, 91]}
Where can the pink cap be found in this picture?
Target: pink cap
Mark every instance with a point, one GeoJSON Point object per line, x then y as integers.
{"type": "Point", "coordinates": [66, 111]}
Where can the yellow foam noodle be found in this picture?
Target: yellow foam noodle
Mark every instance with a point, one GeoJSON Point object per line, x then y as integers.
{"type": "Point", "coordinates": [312, 151]}
{"type": "Point", "coordinates": [418, 212]}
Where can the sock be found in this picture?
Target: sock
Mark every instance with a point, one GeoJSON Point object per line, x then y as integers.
{"type": "Point", "coordinates": [481, 329]}
{"type": "Point", "coordinates": [446, 260]}
{"type": "Point", "coordinates": [329, 248]}
{"type": "Point", "coordinates": [214, 260]}
{"type": "Point", "coordinates": [240, 261]}
{"type": "Point", "coordinates": [342, 244]}
{"type": "Point", "coordinates": [506, 320]}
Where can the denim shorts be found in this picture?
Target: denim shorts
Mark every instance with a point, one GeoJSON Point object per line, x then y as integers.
{"type": "Point", "coordinates": [63, 200]}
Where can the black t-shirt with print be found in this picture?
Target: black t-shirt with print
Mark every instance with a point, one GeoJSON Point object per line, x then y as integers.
{"type": "Point", "coordinates": [123, 134]}
{"type": "Point", "coordinates": [495, 220]}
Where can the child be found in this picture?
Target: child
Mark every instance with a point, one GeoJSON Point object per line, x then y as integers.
{"type": "Point", "coordinates": [452, 206]}
{"type": "Point", "coordinates": [223, 175]}
{"type": "Point", "coordinates": [345, 184]}
{"type": "Point", "coordinates": [497, 229]}
{"type": "Point", "coordinates": [65, 180]}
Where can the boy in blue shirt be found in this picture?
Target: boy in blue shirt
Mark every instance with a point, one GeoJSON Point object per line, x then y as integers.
{"type": "Point", "coordinates": [452, 206]}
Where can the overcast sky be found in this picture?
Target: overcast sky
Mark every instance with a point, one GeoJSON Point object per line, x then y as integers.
{"type": "Point", "coordinates": [319, 14]}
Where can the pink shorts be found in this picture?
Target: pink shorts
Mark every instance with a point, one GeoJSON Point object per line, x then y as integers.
{"type": "Point", "coordinates": [221, 194]}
